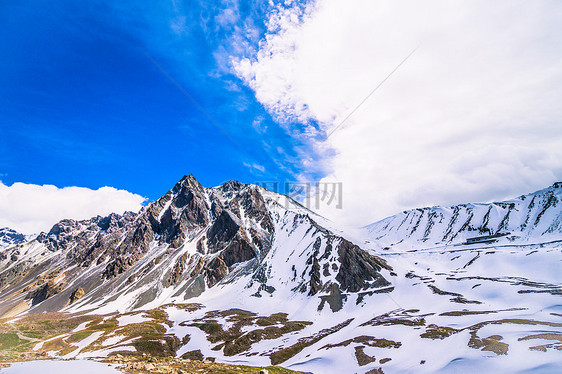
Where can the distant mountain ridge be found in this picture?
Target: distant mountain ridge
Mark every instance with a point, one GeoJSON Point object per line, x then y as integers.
{"type": "Point", "coordinates": [9, 237]}
{"type": "Point", "coordinates": [537, 215]}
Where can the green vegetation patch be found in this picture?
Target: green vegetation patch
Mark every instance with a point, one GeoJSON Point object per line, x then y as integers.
{"type": "Point", "coordinates": [284, 354]}
{"type": "Point", "coordinates": [56, 331]}
{"type": "Point", "coordinates": [158, 315]}
{"type": "Point", "coordinates": [233, 341]}
{"type": "Point", "coordinates": [396, 317]}
{"type": "Point", "coordinates": [244, 342]}
{"type": "Point", "coordinates": [438, 332]}
{"type": "Point", "coordinates": [166, 346]}
{"type": "Point", "coordinates": [18, 338]}
{"type": "Point", "coordinates": [367, 340]}
{"type": "Point", "coordinates": [546, 336]}
{"type": "Point", "coordinates": [10, 340]}
{"type": "Point", "coordinates": [274, 319]}
{"type": "Point", "coordinates": [465, 312]}
{"type": "Point", "coordinates": [460, 313]}
{"type": "Point", "coordinates": [491, 344]}
{"type": "Point", "coordinates": [79, 336]}
{"type": "Point", "coordinates": [363, 358]}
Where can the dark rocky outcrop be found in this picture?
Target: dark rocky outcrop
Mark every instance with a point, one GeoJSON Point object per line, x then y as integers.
{"type": "Point", "coordinates": [222, 231]}
{"type": "Point", "coordinates": [199, 264]}
{"type": "Point", "coordinates": [176, 272]}
{"type": "Point", "coordinates": [225, 235]}
{"type": "Point", "coordinates": [359, 270]}
{"type": "Point", "coordinates": [44, 292]}
{"type": "Point", "coordinates": [334, 298]}
{"type": "Point", "coordinates": [13, 274]}
{"type": "Point", "coordinates": [76, 295]}
{"type": "Point", "coordinates": [315, 280]}
{"type": "Point", "coordinates": [239, 250]}
{"type": "Point", "coordinates": [356, 270]}
{"type": "Point", "coordinates": [255, 207]}
{"type": "Point", "coordinates": [193, 355]}
{"type": "Point", "coordinates": [185, 211]}
{"type": "Point", "coordinates": [216, 270]}
{"type": "Point", "coordinates": [133, 247]}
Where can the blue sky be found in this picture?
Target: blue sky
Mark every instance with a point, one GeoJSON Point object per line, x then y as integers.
{"type": "Point", "coordinates": [134, 94]}
{"type": "Point", "coordinates": [84, 104]}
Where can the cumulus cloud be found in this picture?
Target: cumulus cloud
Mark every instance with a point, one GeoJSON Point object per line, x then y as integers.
{"type": "Point", "coordinates": [473, 115]}
{"type": "Point", "coordinates": [31, 208]}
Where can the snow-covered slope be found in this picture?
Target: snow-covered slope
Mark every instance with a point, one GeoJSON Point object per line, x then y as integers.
{"type": "Point", "coordinates": [247, 276]}
{"type": "Point", "coordinates": [535, 217]}
{"type": "Point", "coordinates": [188, 241]}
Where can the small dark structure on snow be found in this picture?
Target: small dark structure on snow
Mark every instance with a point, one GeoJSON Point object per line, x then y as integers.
{"type": "Point", "coordinates": [485, 238]}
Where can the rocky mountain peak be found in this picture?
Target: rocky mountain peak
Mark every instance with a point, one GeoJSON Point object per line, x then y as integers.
{"type": "Point", "coordinates": [63, 226]}
{"type": "Point", "coordinates": [9, 237]}
{"type": "Point", "coordinates": [231, 186]}
{"type": "Point", "coordinates": [194, 238]}
{"type": "Point", "coordinates": [186, 184]}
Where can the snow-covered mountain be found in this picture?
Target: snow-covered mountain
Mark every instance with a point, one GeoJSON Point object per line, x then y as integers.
{"type": "Point", "coordinates": [186, 242]}
{"type": "Point", "coordinates": [9, 237]}
{"type": "Point", "coordinates": [247, 276]}
{"type": "Point", "coordinates": [528, 218]}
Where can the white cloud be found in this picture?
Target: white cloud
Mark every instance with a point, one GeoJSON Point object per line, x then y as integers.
{"type": "Point", "coordinates": [228, 15]}
{"type": "Point", "coordinates": [473, 115]}
{"type": "Point", "coordinates": [31, 208]}
{"type": "Point", "coordinates": [259, 126]}
{"type": "Point", "coordinates": [255, 167]}
{"type": "Point", "coordinates": [273, 72]}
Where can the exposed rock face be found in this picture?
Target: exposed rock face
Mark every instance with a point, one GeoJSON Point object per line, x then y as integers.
{"type": "Point", "coordinates": [225, 235]}
{"type": "Point", "coordinates": [176, 272]}
{"type": "Point", "coordinates": [359, 270]}
{"type": "Point", "coordinates": [216, 270]}
{"type": "Point", "coordinates": [77, 294]}
{"type": "Point", "coordinates": [221, 233]}
{"type": "Point", "coordinates": [315, 279]}
{"type": "Point", "coordinates": [190, 239]}
{"type": "Point", "coordinates": [335, 267]}
{"type": "Point", "coordinates": [334, 298]}
{"type": "Point", "coordinates": [85, 241]}
{"type": "Point", "coordinates": [9, 237]}
{"type": "Point", "coordinates": [44, 292]}
{"type": "Point", "coordinates": [133, 248]}
{"type": "Point", "coordinates": [13, 273]}
{"type": "Point", "coordinates": [181, 210]}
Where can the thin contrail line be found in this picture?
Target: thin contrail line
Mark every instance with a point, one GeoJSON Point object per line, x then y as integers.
{"type": "Point", "coordinates": [184, 91]}
{"type": "Point", "coordinates": [372, 92]}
